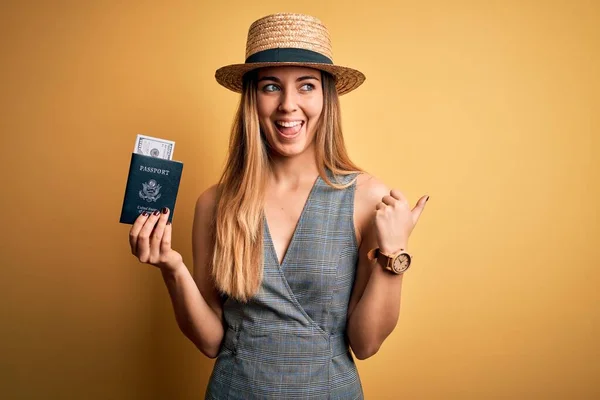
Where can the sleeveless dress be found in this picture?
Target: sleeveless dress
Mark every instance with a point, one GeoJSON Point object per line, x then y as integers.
{"type": "Point", "coordinates": [288, 342]}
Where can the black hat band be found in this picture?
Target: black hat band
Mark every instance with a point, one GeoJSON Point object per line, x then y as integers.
{"type": "Point", "coordinates": [288, 55]}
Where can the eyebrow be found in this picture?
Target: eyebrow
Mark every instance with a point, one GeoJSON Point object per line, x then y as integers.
{"type": "Point", "coordinates": [276, 79]}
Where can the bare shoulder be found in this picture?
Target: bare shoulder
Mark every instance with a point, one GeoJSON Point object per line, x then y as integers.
{"type": "Point", "coordinates": [369, 189]}
{"type": "Point", "coordinates": [207, 200]}
{"type": "Point", "coordinates": [204, 215]}
{"type": "Point", "coordinates": [369, 192]}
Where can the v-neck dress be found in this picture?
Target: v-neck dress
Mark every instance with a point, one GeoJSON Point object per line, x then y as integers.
{"type": "Point", "coordinates": [289, 340]}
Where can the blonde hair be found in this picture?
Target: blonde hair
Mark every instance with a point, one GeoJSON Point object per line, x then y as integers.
{"type": "Point", "coordinates": [237, 261]}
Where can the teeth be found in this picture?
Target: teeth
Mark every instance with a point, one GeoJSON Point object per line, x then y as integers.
{"type": "Point", "coordinates": [286, 124]}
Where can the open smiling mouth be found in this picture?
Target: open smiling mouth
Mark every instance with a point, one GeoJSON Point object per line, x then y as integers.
{"type": "Point", "coordinates": [289, 129]}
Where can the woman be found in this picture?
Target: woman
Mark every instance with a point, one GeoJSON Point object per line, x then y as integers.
{"type": "Point", "coordinates": [298, 255]}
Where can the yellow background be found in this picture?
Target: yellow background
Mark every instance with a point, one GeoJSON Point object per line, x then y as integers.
{"type": "Point", "coordinates": [491, 108]}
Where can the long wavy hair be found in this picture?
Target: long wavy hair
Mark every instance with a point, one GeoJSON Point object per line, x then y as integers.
{"type": "Point", "coordinates": [237, 261]}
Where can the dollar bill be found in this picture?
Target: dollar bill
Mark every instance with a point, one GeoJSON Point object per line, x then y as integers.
{"type": "Point", "coordinates": [154, 147]}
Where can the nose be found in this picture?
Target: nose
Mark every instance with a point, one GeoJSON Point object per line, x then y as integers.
{"type": "Point", "coordinates": [287, 102]}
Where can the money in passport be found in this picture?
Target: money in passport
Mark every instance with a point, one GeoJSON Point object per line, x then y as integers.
{"type": "Point", "coordinates": [153, 179]}
{"type": "Point", "coordinates": [154, 147]}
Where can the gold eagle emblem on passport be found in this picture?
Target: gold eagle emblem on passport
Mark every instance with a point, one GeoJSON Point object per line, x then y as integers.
{"type": "Point", "coordinates": [150, 191]}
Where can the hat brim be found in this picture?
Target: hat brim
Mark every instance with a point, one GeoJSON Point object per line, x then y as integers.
{"type": "Point", "coordinates": [346, 79]}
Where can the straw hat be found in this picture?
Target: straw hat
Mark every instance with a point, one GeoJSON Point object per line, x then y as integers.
{"type": "Point", "coordinates": [289, 39]}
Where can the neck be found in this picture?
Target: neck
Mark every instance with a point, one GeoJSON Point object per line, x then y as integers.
{"type": "Point", "coordinates": [292, 171]}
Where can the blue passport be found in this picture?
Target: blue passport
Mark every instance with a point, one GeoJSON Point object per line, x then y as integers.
{"type": "Point", "coordinates": [152, 184]}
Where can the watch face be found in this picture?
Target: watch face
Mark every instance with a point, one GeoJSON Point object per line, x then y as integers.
{"type": "Point", "coordinates": [401, 263]}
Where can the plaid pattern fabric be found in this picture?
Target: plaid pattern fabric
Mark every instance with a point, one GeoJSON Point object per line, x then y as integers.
{"type": "Point", "coordinates": [288, 342]}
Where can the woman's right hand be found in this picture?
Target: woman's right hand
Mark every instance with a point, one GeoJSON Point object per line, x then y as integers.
{"type": "Point", "coordinates": [150, 241]}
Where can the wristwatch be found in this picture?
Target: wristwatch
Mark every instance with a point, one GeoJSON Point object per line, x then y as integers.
{"type": "Point", "coordinates": [397, 263]}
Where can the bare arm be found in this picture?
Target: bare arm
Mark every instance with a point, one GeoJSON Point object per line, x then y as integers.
{"type": "Point", "coordinates": [375, 302]}
{"type": "Point", "coordinates": [195, 302]}
{"type": "Point", "coordinates": [195, 318]}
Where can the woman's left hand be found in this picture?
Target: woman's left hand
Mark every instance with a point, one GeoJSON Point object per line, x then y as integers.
{"type": "Point", "coordinates": [395, 221]}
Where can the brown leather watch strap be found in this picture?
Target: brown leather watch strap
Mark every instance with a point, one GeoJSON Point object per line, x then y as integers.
{"type": "Point", "coordinates": [373, 254]}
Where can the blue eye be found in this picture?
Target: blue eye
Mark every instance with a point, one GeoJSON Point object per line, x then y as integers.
{"type": "Point", "coordinates": [270, 88]}
{"type": "Point", "coordinates": [308, 87]}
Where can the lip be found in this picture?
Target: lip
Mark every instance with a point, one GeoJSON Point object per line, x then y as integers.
{"type": "Point", "coordinates": [289, 137]}
{"type": "Point", "coordinates": [289, 120]}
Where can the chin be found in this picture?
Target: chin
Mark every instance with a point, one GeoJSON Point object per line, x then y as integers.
{"type": "Point", "coordinates": [289, 147]}
{"type": "Point", "coordinates": [288, 151]}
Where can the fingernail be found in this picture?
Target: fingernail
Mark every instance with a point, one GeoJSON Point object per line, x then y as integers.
{"type": "Point", "coordinates": [145, 214]}
{"type": "Point", "coordinates": [156, 212]}
{"type": "Point", "coordinates": [165, 210]}
{"type": "Point", "coordinates": [427, 199]}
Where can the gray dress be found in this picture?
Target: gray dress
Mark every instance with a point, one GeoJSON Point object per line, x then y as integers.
{"type": "Point", "coordinates": [288, 342]}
